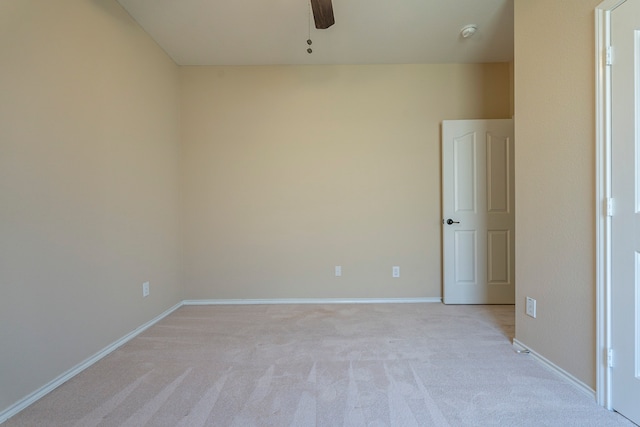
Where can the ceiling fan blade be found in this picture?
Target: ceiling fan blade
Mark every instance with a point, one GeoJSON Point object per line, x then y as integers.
{"type": "Point", "coordinates": [322, 13]}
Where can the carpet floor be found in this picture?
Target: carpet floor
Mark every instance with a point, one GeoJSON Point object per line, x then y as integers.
{"type": "Point", "coordinates": [321, 365]}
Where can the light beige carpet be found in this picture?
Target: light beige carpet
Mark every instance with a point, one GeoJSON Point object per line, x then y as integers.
{"type": "Point", "coordinates": [321, 365]}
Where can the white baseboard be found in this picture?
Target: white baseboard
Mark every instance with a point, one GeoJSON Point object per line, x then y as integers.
{"type": "Point", "coordinates": [57, 382]}
{"type": "Point", "coordinates": [311, 301]}
{"type": "Point", "coordinates": [558, 370]}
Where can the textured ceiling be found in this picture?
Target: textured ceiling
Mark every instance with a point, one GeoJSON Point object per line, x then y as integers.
{"type": "Point", "coordinates": [262, 32]}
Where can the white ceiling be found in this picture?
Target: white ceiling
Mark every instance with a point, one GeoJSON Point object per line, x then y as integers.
{"type": "Point", "coordinates": [264, 32]}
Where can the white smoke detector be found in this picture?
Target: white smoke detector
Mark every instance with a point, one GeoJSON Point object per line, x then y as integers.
{"type": "Point", "coordinates": [468, 30]}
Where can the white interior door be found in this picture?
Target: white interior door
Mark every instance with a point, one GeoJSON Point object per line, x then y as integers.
{"type": "Point", "coordinates": [478, 212]}
{"type": "Point", "coordinates": [625, 222]}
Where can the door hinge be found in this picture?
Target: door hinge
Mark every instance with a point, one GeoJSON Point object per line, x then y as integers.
{"type": "Point", "coordinates": [609, 56]}
{"type": "Point", "coordinates": [610, 358]}
{"type": "Point", "coordinates": [608, 206]}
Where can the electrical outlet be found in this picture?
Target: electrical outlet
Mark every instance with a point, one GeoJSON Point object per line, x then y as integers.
{"type": "Point", "coordinates": [145, 289]}
{"type": "Point", "coordinates": [395, 271]}
{"type": "Point", "coordinates": [338, 270]}
{"type": "Point", "coordinates": [531, 307]}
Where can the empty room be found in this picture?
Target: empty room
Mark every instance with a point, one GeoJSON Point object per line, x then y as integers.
{"type": "Point", "coordinates": [254, 213]}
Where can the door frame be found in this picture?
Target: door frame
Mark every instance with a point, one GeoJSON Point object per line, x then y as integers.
{"type": "Point", "coordinates": [603, 195]}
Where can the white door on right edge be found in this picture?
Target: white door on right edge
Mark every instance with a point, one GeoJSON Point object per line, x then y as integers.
{"type": "Point", "coordinates": [625, 222]}
{"type": "Point", "coordinates": [478, 212]}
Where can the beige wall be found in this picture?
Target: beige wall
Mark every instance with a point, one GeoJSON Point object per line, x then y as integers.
{"type": "Point", "coordinates": [555, 232]}
{"type": "Point", "coordinates": [89, 162]}
{"type": "Point", "coordinates": [289, 171]}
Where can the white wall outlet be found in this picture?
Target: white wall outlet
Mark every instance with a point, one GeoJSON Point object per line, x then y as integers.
{"type": "Point", "coordinates": [395, 271]}
{"type": "Point", "coordinates": [338, 270]}
{"type": "Point", "coordinates": [531, 307]}
{"type": "Point", "coordinates": [145, 289]}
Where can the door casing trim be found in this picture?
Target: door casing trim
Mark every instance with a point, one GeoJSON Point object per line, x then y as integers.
{"type": "Point", "coordinates": [603, 194]}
